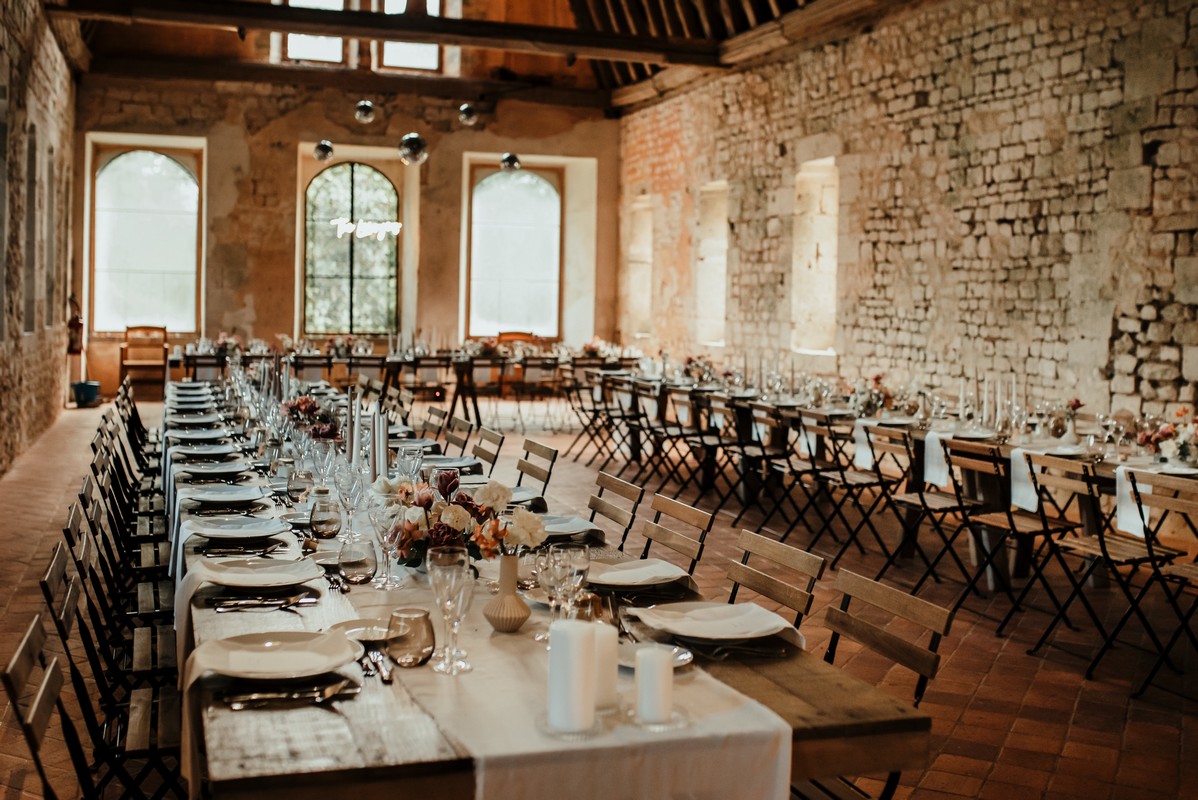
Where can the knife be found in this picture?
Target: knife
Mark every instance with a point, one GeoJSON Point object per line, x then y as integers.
{"type": "Point", "coordinates": [322, 694]}
{"type": "Point", "coordinates": [381, 661]}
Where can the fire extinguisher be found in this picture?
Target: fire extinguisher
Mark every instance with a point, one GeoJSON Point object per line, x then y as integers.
{"type": "Point", "coordinates": [74, 329]}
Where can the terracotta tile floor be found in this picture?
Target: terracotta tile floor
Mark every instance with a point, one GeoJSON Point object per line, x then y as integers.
{"type": "Point", "coordinates": [1005, 724]}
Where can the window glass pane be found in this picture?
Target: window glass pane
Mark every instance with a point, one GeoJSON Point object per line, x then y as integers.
{"type": "Point", "coordinates": [351, 274]}
{"type": "Point", "coordinates": [515, 254]}
{"type": "Point", "coordinates": [315, 48]}
{"type": "Point", "coordinates": [146, 212]}
{"type": "Point", "coordinates": [410, 55]}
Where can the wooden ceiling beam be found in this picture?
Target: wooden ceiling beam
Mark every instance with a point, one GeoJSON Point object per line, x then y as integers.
{"type": "Point", "coordinates": [348, 80]}
{"type": "Point", "coordinates": [539, 39]}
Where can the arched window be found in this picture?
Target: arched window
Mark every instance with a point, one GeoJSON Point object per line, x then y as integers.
{"type": "Point", "coordinates": [351, 256]}
{"type": "Point", "coordinates": [515, 253]}
{"type": "Point", "coordinates": [146, 237]}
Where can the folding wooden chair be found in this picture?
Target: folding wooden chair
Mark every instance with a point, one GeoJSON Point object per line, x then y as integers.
{"type": "Point", "coordinates": [540, 469]}
{"type": "Point", "coordinates": [603, 507]}
{"type": "Point", "coordinates": [846, 621]}
{"type": "Point", "coordinates": [457, 434]}
{"type": "Point", "coordinates": [687, 544]}
{"type": "Point", "coordinates": [802, 568]}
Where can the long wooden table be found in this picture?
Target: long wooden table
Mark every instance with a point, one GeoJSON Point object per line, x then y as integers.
{"type": "Point", "coordinates": [841, 725]}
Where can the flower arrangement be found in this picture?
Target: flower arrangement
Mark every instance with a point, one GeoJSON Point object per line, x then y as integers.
{"type": "Point", "coordinates": [866, 400]}
{"type": "Point", "coordinates": [227, 343]}
{"type": "Point", "coordinates": [431, 520]}
{"type": "Point", "coordinates": [1179, 439]}
{"type": "Point", "coordinates": [699, 368]}
{"type": "Point", "coordinates": [1072, 407]}
{"type": "Point", "coordinates": [487, 347]}
{"type": "Point", "coordinates": [597, 347]}
{"type": "Point", "coordinates": [302, 410]}
{"type": "Point", "coordinates": [340, 344]}
{"type": "Point", "coordinates": [326, 429]}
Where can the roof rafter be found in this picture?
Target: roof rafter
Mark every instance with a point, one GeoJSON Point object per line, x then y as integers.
{"type": "Point", "coordinates": [540, 39]}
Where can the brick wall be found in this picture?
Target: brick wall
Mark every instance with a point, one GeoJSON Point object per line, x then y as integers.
{"type": "Point", "coordinates": [37, 95]}
{"type": "Point", "coordinates": [1018, 192]}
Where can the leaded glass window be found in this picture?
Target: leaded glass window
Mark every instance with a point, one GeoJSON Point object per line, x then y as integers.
{"type": "Point", "coordinates": [351, 256]}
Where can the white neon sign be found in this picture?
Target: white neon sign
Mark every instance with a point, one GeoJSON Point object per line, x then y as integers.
{"type": "Point", "coordinates": [364, 229]}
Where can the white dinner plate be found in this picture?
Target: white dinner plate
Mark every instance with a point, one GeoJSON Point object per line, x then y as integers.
{"type": "Point", "coordinates": [214, 469]}
{"type": "Point", "coordinates": [189, 406]}
{"type": "Point", "coordinates": [1178, 470]}
{"type": "Point", "coordinates": [898, 420]}
{"type": "Point", "coordinates": [641, 572]}
{"type": "Point", "coordinates": [1065, 451]}
{"type": "Point", "coordinates": [558, 527]}
{"type": "Point", "coordinates": [204, 450]}
{"type": "Point", "coordinates": [226, 495]}
{"type": "Point", "coordinates": [363, 630]}
{"type": "Point", "coordinates": [238, 527]}
{"type": "Point", "coordinates": [977, 434]}
{"type": "Point", "coordinates": [300, 519]}
{"type": "Point", "coordinates": [712, 621]}
{"type": "Point", "coordinates": [261, 573]}
{"type": "Point", "coordinates": [282, 655]}
{"type": "Point", "coordinates": [537, 595]}
{"type": "Point", "coordinates": [192, 419]}
{"type": "Point", "coordinates": [626, 654]}
{"type": "Point", "coordinates": [197, 435]}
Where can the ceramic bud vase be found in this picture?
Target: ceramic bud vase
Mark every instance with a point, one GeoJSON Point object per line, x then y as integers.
{"type": "Point", "coordinates": [1071, 436]}
{"type": "Point", "coordinates": [507, 611]}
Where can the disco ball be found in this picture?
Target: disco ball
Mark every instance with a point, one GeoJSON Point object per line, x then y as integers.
{"type": "Point", "coordinates": [323, 150]}
{"type": "Point", "coordinates": [467, 115]}
{"type": "Point", "coordinates": [413, 150]}
{"type": "Point", "coordinates": [364, 113]}
{"type": "Point", "coordinates": [510, 162]}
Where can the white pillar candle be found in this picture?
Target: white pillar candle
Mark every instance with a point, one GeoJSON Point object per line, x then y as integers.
{"type": "Point", "coordinates": [384, 454]}
{"type": "Point", "coordinates": [654, 684]}
{"type": "Point", "coordinates": [571, 676]}
{"type": "Point", "coordinates": [986, 419]}
{"type": "Point", "coordinates": [961, 397]}
{"type": "Point", "coordinates": [607, 665]}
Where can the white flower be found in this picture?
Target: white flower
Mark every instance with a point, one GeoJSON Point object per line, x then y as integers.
{"type": "Point", "coordinates": [494, 495]}
{"type": "Point", "coordinates": [415, 516]}
{"type": "Point", "coordinates": [1170, 448]}
{"type": "Point", "coordinates": [526, 529]}
{"type": "Point", "coordinates": [456, 517]}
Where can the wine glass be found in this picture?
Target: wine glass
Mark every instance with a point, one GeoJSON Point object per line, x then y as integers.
{"type": "Point", "coordinates": [575, 563]}
{"type": "Point", "coordinates": [346, 479]}
{"type": "Point", "coordinates": [453, 585]}
{"type": "Point", "coordinates": [548, 568]}
{"type": "Point", "coordinates": [386, 523]}
{"type": "Point", "coordinates": [357, 562]}
{"type": "Point", "coordinates": [410, 637]}
{"type": "Point", "coordinates": [408, 461]}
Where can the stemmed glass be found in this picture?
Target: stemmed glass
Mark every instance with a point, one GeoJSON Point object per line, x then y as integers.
{"type": "Point", "coordinates": [408, 461]}
{"type": "Point", "coordinates": [348, 485]}
{"type": "Point", "coordinates": [299, 483]}
{"type": "Point", "coordinates": [386, 522]}
{"type": "Point", "coordinates": [321, 451]}
{"type": "Point", "coordinates": [574, 564]}
{"type": "Point", "coordinates": [549, 570]}
{"type": "Point", "coordinates": [453, 586]}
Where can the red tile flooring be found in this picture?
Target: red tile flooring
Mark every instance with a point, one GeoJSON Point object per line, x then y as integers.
{"type": "Point", "coordinates": [1006, 725]}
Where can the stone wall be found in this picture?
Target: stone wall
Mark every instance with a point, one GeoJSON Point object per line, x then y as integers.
{"type": "Point", "coordinates": [1018, 193]}
{"type": "Point", "coordinates": [254, 155]}
{"type": "Point", "coordinates": [36, 116]}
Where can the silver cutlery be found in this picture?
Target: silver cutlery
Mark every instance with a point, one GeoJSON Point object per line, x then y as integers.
{"type": "Point", "coordinates": [367, 666]}
{"type": "Point", "coordinates": [380, 660]}
{"type": "Point", "coordinates": [281, 604]}
{"type": "Point", "coordinates": [225, 552]}
{"type": "Point", "coordinates": [337, 582]}
{"type": "Point", "coordinates": [338, 690]}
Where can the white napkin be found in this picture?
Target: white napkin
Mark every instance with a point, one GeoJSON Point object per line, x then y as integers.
{"type": "Point", "coordinates": [1127, 512]}
{"type": "Point", "coordinates": [1023, 491]}
{"type": "Point", "coordinates": [712, 620]}
{"type": "Point", "coordinates": [643, 572]}
{"type": "Point", "coordinates": [863, 455]}
{"type": "Point", "coordinates": [561, 526]}
{"type": "Point", "coordinates": [935, 467]}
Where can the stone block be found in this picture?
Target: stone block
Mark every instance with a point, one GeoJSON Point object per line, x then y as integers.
{"type": "Point", "coordinates": [1185, 274]}
{"type": "Point", "coordinates": [1189, 363]}
{"type": "Point", "coordinates": [1156, 371]}
{"type": "Point", "coordinates": [1130, 188]}
{"type": "Point", "coordinates": [1159, 332]}
{"type": "Point", "coordinates": [1126, 363]}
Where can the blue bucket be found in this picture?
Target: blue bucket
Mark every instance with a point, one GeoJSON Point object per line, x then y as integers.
{"type": "Point", "coordinates": [87, 393]}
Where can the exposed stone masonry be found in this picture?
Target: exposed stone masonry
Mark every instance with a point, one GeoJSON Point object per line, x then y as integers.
{"type": "Point", "coordinates": [35, 82]}
{"type": "Point", "coordinates": [1017, 193]}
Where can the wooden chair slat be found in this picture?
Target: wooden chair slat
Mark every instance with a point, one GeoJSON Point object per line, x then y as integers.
{"type": "Point", "coordinates": [681, 512]}
{"type": "Point", "coordinates": [899, 650]}
{"type": "Point", "coordinates": [24, 658]}
{"type": "Point", "coordinates": [42, 705]}
{"type": "Point", "coordinates": [672, 539]}
{"type": "Point", "coordinates": [623, 488]}
{"type": "Point", "coordinates": [538, 449]}
{"type": "Point", "coordinates": [609, 510]}
{"type": "Point", "coordinates": [809, 564]}
{"type": "Point", "coordinates": [777, 590]}
{"type": "Point", "coordinates": [140, 721]}
{"type": "Point", "coordinates": [921, 612]}
{"type": "Point", "coordinates": [532, 470]}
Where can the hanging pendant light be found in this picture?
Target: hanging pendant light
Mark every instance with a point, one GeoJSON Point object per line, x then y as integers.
{"type": "Point", "coordinates": [323, 150]}
{"type": "Point", "coordinates": [510, 162]}
{"type": "Point", "coordinates": [468, 115]}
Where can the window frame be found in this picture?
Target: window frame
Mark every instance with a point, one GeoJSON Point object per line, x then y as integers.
{"type": "Point", "coordinates": [101, 156]}
{"type": "Point", "coordinates": [345, 40]}
{"type": "Point", "coordinates": [376, 48]}
{"type": "Point", "coordinates": [303, 259]}
{"type": "Point", "coordinates": [475, 179]}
